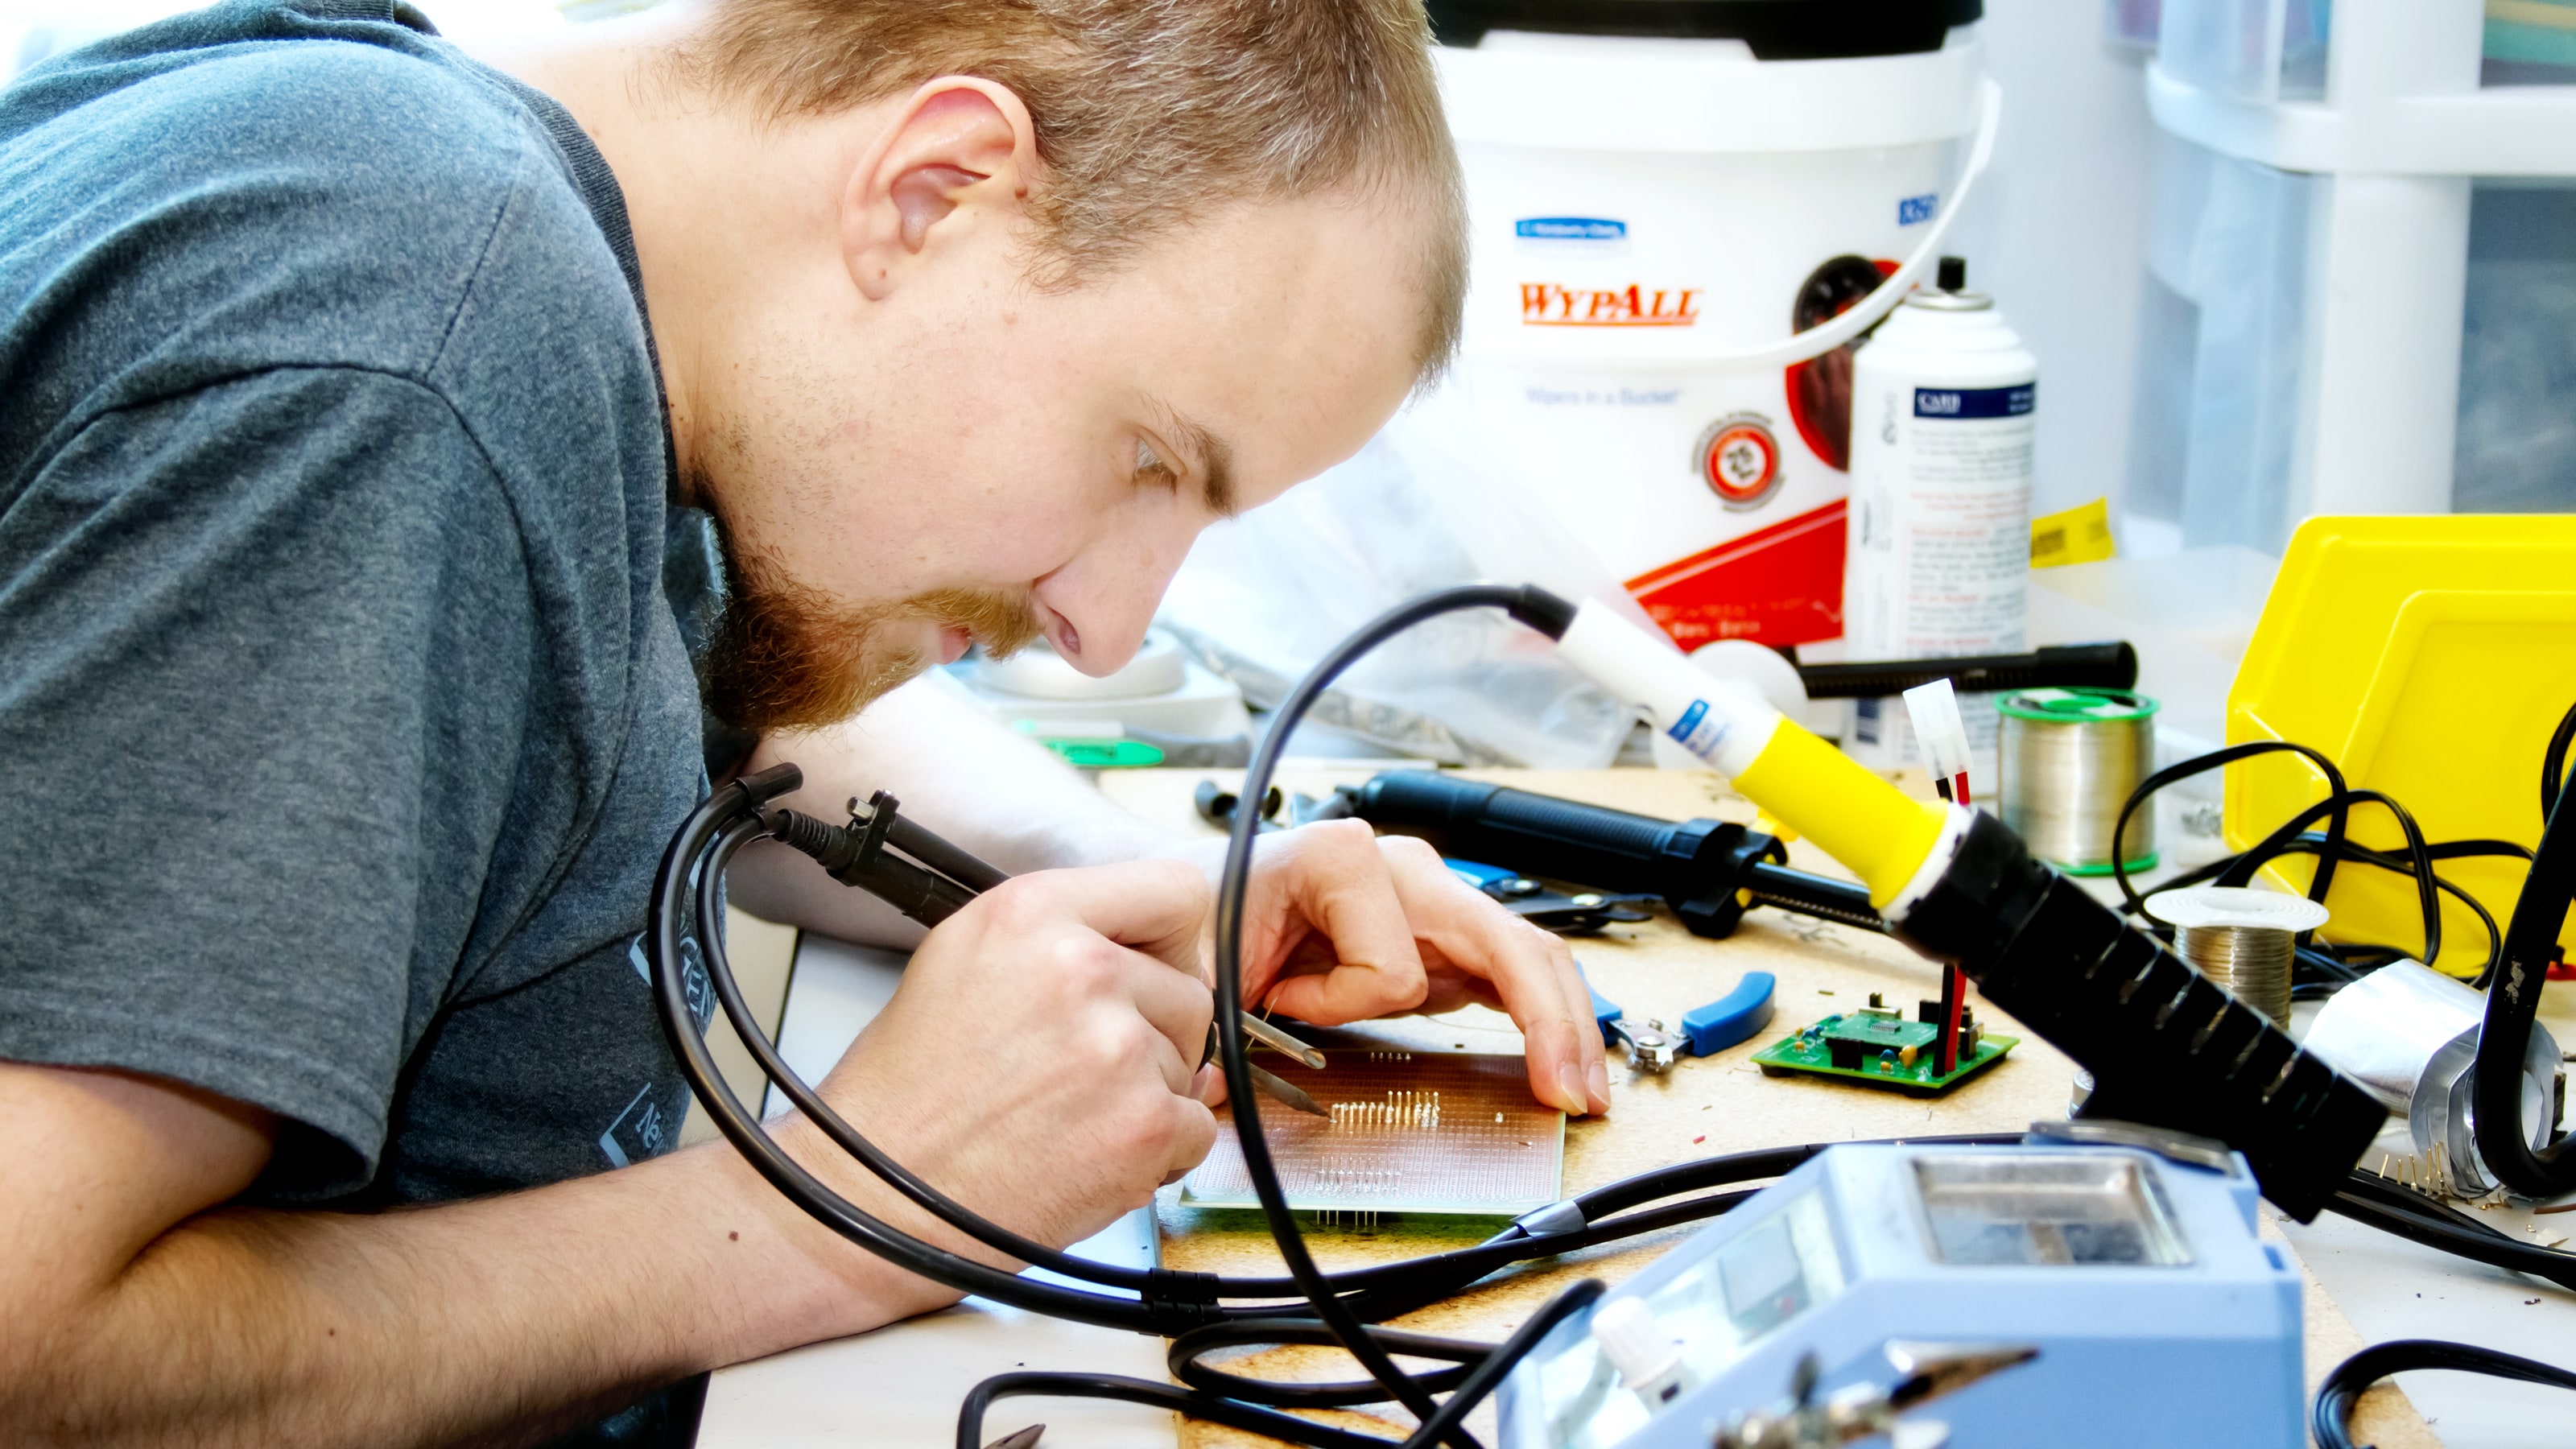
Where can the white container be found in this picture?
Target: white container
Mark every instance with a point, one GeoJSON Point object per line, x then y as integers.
{"type": "Point", "coordinates": [1939, 560]}
{"type": "Point", "coordinates": [1674, 239]}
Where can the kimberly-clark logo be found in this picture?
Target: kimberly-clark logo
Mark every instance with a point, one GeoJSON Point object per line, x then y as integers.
{"type": "Point", "coordinates": [1571, 233]}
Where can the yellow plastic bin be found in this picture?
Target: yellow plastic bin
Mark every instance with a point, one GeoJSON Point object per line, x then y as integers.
{"type": "Point", "coordinates": [2429, 657]}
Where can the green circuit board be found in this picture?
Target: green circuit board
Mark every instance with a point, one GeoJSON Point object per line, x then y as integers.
{"type": "Point", "coordinates": [1880, 1048]}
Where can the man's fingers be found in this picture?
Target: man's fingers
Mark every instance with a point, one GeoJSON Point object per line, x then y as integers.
{"type": "Point", "coordinates": [1193, 1132]}
{"type": "Point", "coordinates": [1155, 906]}
{"type": "Point", "coordinates": [1332, 875]}
{"type": "Point", "coordinates": [1179, 1008]}
{"type": "Point", "coordinates": [1531, 971]}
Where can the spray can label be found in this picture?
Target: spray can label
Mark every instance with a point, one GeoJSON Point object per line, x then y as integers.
{"type": "Point", "coordinates": [1943, 533]}
{"type": "Point", "coordinates": [1943, 426]}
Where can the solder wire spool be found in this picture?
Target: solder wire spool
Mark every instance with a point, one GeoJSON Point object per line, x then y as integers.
{"type": "Point", "coordinates": [2067, 759]}
{"type": "Point", "coordinates": [2241, 938]}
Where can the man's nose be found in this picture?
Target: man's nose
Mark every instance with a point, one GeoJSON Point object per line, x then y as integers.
{"type": "Point", "coordinates": [1109, 593]}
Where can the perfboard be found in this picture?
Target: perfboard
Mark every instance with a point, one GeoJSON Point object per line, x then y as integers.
{"type": "Point", "coordinates": [1408, 1132]}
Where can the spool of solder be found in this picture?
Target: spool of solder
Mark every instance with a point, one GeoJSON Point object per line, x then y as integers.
{"type": "Point", "coordinates": [2243, 939]}
{"type": "Point", "coordinates": [2067, 761]}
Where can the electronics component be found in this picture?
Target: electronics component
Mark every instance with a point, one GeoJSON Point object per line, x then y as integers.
{"type": "Point", "coordinates": [1878, 1046]}
{"type": "Point", "coordinates": [1708, 871]}
{"type": "Point", "coordinates": [1406, 1132]}
{"type": "Point", "coordinates": [2111, 1275]}
{"type": "Point", "coordinates": [1934, 708]}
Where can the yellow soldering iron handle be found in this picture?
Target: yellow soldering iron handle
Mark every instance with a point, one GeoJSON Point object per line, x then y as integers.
{"type": "Point", "coordinates": [1880, 833]}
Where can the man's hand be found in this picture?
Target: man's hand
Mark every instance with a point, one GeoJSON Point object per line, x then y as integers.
{"type": "Point", "coordinates": [1038, 1061]}
{"type": "Point", "coordinates": [1340, 925]}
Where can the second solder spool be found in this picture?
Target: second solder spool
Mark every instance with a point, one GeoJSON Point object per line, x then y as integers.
{"type": "Point", "coordinates": [2067, 760]}
{"type": "Point", "coordinates": [2241, 938]}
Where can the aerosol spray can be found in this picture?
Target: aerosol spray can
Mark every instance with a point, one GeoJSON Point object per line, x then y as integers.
{"type": "Point", "coordinates": [1943, 399]}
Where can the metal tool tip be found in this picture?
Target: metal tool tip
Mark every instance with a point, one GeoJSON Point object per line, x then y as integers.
{"type": "Point", "coordinates": [1024, 1439]}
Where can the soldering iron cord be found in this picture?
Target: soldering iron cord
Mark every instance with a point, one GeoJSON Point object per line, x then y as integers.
{"type": "Point", "coordinates": [2332, 1419]}
{"type": "Point", "coordinates": [1532, 606]}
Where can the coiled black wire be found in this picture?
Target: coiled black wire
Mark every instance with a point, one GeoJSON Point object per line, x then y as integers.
{"type": "Point", "coordinates": [2332, 1420]}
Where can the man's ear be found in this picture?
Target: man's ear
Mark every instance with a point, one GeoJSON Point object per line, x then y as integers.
{"type": "Point", "coordinates": [959, 154]}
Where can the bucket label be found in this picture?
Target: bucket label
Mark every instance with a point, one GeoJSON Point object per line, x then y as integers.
{"type": "Point", "coordinates": [1546, 304]}
{"type": "Point", "coordinates": [1596, 230]}
{"type": "Point", "coordinates": [1975, 402]}
{"type": "Point", "coordinates": [1778, 585]}
{"type": "Point", "coordinates": [1916, 210]}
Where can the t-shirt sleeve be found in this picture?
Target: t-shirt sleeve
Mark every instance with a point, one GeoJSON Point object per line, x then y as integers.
{"type": "Point", "coordinates": [244, 633]}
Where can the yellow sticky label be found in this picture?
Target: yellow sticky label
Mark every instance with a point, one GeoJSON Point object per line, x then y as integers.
{"type": "Point", "coordinates": [2081, 534]}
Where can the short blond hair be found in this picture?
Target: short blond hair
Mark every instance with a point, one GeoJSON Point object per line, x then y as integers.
{"type": "Point", "coordinates": [1150, 114]}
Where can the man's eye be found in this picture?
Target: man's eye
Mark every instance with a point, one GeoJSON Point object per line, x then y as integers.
{"type": "Point", "coordinates": [1150, 464]}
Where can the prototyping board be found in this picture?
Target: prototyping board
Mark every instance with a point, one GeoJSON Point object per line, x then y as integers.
{"type": "Point", "coordinates": [1879, 1048]}
{"type": "Point", "coordinates": [1410, 1132]}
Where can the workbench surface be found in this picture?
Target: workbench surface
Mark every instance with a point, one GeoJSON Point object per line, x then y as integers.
{"type": "Point", "coordinates": [1701, 1108]}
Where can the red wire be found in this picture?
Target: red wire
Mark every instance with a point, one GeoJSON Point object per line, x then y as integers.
{"type": "Point", "coordinates": [1948, 1056]}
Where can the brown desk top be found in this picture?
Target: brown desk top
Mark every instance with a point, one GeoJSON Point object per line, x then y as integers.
{"type": "Point", "coordinates": [1703, 1107]}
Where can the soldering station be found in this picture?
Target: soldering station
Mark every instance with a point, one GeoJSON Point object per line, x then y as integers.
{"type": "Point", "coordinates": [2037, 1278]}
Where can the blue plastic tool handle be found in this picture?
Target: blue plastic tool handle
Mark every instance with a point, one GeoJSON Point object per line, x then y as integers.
{"type": "Point", "coordinates": [1729, 1019]}
{"type": "Point", "coordinates": [1476, 873]}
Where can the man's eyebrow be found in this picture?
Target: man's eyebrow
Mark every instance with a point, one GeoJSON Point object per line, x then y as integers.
{"type": "Point", "coordinates": [1216, 465]}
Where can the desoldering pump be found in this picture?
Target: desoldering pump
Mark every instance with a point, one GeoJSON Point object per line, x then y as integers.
{"type": "Point", "coordinates": [2172, 1047]}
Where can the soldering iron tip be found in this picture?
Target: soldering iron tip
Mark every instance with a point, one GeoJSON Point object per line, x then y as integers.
{"type": "Point", "coordinates": [1024, 1439]}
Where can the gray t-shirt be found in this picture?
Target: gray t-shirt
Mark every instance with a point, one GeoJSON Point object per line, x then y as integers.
{"type": "Point", "coordinates": [343, 714]}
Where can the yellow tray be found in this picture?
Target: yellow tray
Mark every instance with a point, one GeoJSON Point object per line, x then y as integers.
{"type": "Point", "coordinates": [2429, 657]}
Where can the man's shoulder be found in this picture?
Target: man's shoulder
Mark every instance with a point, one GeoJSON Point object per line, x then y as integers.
{"type": "Point", "coordinates": [310, 202]}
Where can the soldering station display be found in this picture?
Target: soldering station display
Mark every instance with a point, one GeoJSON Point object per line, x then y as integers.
{"type": "Point", "coordinates": [2038, 1279]}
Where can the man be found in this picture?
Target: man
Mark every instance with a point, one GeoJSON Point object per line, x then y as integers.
{"type": "Point", "coordinates": [371, 417]}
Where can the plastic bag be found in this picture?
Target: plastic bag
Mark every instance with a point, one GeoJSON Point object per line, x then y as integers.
{"type": "Point", "coordinates": [1262, 597]}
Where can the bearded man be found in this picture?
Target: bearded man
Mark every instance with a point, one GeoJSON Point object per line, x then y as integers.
{"type": "Point", "coordinates": [422, 474]}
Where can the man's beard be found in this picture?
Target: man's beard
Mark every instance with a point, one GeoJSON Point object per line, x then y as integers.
{"type": "Point", "coordinates": [786, 656]}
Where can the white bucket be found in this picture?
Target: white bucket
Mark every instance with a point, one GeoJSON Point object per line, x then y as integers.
{"type": "Point", "coordinates": [1666, 234]}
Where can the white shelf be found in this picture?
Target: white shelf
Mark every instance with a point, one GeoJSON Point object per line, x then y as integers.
{"type": "Point", "coordinates": [2526, 131]}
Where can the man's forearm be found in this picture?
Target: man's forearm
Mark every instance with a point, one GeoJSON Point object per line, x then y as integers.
{"type": "Point", "coordinates": [500, 1321]}
{"type": "Point", "coordinates": [997, 793]}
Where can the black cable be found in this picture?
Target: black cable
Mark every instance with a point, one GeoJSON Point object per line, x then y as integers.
{"type": "Point", "coordinates": [2241, 871]}
{"type": "Point", "coordinates": [2332, 1419]}
{"type": "Point", "coordinates": [1488, 1374]}
{"type": "Point", "coordinates": [2513, 1001]}
{"type": "Point", "coordinates": [2398, 865]}
{"type": "Point", "coordinates": [1533, 606]}
{"type": "Point", "coordinates": [2215, 759]}
{"type": "Point", "coordinates": [2553, 763]}
{"type": "Point", "coordinates": [1190, 1350]}
{"type": "Point", "coordinates": [2376, 1202]}
{"type": "Point", "coordinates": [970, 1415]}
